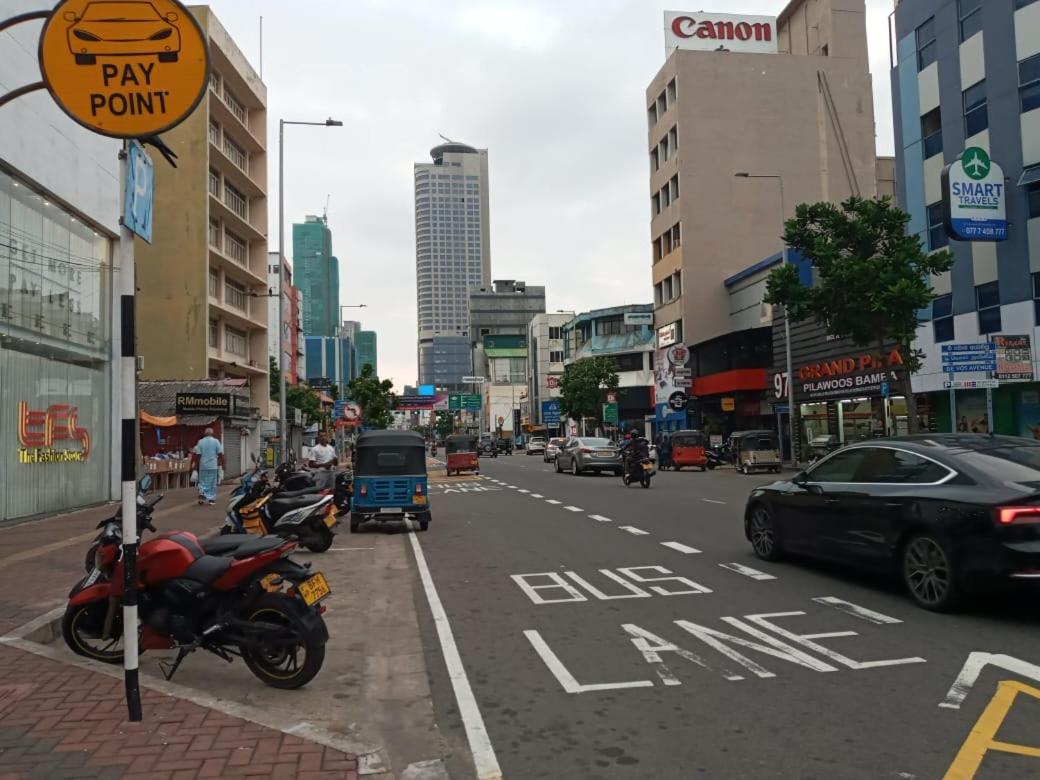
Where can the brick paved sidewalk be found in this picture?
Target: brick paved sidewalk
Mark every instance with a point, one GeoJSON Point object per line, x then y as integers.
{"type": "Point", "coordinates": [62, 721]}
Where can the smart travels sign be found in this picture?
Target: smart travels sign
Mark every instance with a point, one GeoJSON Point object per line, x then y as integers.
{"type": "Point", "coordinates": [704, 31]}
{"type": "Point", "coordinates": [124, 68]}
{"type": "Point", "coordinates": [975, 198]}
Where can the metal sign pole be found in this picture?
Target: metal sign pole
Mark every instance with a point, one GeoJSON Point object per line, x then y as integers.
{"type": "Point", "coordinates": [128, 461]}
{"type": "Point", "coordinates": [989, 410]}
{"type": "Point", "coordinates": [953, 405]}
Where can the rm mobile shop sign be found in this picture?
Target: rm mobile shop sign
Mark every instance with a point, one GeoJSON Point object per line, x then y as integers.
{"type": "Point", "coordinates": [703, 31]}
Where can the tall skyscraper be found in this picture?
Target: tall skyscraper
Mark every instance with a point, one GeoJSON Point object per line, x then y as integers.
{"type": "Point", "coordinates": [317, 276]}
{"type": "Point", "coordinates": [210, 227]}
{"type": "Point", "coordinates": [367, 352]}
{"type": "Point", "coordinates": [452, 254]}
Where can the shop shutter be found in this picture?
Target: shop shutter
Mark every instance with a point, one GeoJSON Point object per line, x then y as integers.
{"type": "Point", "coordinates": [232, 451]}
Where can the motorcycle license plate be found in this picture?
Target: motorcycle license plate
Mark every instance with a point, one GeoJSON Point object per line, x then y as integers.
{"type": "Point", "coordinates": [314, 589]}
{"type": "Point", "coordinates": [648, 467]}
{"type": "Point", "coordinates": [420, 499]}
{"type": "Point", "coordinates": [330, 519]}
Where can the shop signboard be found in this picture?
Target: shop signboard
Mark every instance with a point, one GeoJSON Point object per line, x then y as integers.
{"type": "Point", "coordinates": [729, 404]}
{"type": "Point", "coordinates": [1014, 358]}
{"type": "Point", "coordinates": [39, 430]}
{"type": "Point", "coordinates": [971, 384]}
{"type": "Point", "coordinates": [551, 412]}
{"type": "Point", "coordinates": [854, 375]}
{"type": "Point", "coordinates": [217, 404]}
{"type": "Point", "coordinates": [974, 198]}
{"type": "Point", "coordinates": [969, 357]}
{"type": "Point", "coordinates": [668, 335]}
{"type": "Point", "coordinates": [639, 318]}
{"type": "Point", "coordinates": [671, 373]}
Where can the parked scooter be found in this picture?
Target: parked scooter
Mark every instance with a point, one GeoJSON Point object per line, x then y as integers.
{"type": "Point", "coordinates": [309, 518]}
{"type": "Point", "coordinates": [718, 456]}
{"type": "Point", "coordinates": [190, 598]}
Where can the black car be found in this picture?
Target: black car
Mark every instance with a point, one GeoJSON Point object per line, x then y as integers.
{"type": "Point", "coordinates": [945, 512]}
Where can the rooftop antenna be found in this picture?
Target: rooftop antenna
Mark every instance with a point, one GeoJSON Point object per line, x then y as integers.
{"type": "Point", "coordinates": [448, 140]}
{"type": "Point", "coordinates": [325, 214]}
{"type": "Point", "coordinates": [261, 48]}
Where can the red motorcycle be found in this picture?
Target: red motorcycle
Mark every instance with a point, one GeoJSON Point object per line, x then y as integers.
{"type": "Point", "coordinates": [233, 597]}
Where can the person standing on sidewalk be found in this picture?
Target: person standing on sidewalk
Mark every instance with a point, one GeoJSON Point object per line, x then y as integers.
{"type": "Point", "coordinates": [323, 460]}
{"type": "Point", "coordinates": [208, 458]}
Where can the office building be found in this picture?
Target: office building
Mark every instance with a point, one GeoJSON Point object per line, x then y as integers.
{"type": "Point", "coordinates": [329, 362]}
{"type": "Point", "coordinates": [624, 334]}
{"type": "Point", "coordinates": [317, 275]}
{"type": "Point", "coordinates": [366, 349]}
{"type": "Point", "coordinates": [544, 366]}
{"type": "Point", "coordinates": [967, 74]}
{"type": "Point", "coordinates": [790, 106]}
{"type": "Point", "coordinates": [452, 254]}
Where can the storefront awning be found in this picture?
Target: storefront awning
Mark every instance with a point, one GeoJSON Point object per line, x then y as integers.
{"type": "Point", "coordinates": [731, 381]}
{"type": "Point", "coordinates": [159, 422]}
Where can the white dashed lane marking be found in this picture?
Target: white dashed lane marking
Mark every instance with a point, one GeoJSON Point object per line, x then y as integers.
{"type": "Point", "coordinates": [633, 530]}
{"type": "Point", "coordinates": [600, 518]}
{"type": "Point", "coordinates": [537, 495]}
{"type": "Point", "coordinates": [747, 571]}
{"type": "Point", "coordinates": [523, 491]}
{"type": "Point", "coordinates": [574, 509]}
{"type": "Point", "coordinates": [712, 501]}
{"type": "Point", "coordinates": [553, 501]}
{"type": "Point", "coordinates": [681, 547]}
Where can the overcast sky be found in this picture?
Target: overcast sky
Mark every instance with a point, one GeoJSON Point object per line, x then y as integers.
{"type": "Point", "coordinates": [552, 88]}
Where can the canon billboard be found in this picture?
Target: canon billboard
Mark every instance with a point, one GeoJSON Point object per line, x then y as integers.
{"type": "Point", "coordinates": [702, 31]}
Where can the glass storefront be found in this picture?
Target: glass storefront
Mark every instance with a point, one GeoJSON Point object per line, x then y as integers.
{"type": "Point", "coordinates": [55, 298]}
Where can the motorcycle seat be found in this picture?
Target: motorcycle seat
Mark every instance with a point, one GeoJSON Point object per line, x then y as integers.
{"type": "Point", "coordinates": [255, 545]}
{"type": "Point", "coordinates": [307, 491]}
{"type": "Point", "coordinates": [222, 545]}
{"type": "Point", "coordinates": [207, 569]}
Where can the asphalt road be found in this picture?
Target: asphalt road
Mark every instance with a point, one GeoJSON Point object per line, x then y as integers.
{"type": "Point", "coordinates": [611, 632]}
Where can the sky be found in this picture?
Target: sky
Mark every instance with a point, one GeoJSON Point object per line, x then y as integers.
{"type": "Point", "coordinates": [554, 89]}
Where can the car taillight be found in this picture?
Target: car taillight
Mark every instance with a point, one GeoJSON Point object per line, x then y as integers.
{"type": "Point", "coordinates": [586, 450]}
{"type": "Point", "coordinates": [418, 488]}
{"type": "Point", "coordinates": [1018, 515]}
{"type": "Point", "coordinates": [364, 490]}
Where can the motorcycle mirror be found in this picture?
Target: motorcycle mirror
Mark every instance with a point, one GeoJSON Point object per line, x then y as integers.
{"type": "Point", "coordinates": [144, 483]}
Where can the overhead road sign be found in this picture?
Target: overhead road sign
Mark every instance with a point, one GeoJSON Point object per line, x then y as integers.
{"type": "Point", "coordinates": [968, 368]}
{"type": "Point", "coordinates": [124, 68]}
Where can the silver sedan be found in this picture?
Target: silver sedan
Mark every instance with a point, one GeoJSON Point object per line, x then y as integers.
{"type": "Point", "coordinates": [581, 454]}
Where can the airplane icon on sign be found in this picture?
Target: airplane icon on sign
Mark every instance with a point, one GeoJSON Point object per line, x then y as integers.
{"type": "Point", "coordinates": [976, 167]}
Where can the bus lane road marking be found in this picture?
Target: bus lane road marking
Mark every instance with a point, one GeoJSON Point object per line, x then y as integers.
{"type": "Point", "coordinates": [747, 571]}
{"type": "Point", "coordinates": [680, 547]}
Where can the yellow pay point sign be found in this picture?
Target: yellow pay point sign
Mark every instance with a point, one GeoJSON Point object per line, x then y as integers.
{"type": "Point", "coordinates": [124, 68]}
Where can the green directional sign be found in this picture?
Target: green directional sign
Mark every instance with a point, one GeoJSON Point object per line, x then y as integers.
{"type": "Point", "coordinates": [610, 413]}
{"type": "Point", "coordinates": [454, 402]}
{"type": "Point", "coordinates": [469, 401]}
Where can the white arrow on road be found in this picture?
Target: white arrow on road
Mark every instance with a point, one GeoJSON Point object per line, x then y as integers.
{"type": "Point", "coordinates": [973, 667]}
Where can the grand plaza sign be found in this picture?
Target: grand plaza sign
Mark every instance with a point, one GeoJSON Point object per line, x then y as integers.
{"type": "Point", "coordinates": [702, 31]}
{"type": "Point", "coordinates": [862, 375]}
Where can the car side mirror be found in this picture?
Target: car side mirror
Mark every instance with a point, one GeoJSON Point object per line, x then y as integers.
{"type": "Point", "coordinates": [800, 479]}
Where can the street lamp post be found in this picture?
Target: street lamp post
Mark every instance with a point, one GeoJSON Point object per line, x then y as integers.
{"type": "Point", "coordinates": [283, 365]}
{"type": "Point", "coordinates": [787, 318]}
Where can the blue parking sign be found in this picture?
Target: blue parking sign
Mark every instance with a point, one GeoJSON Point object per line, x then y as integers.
{"type": "Point", "coordinates": [140, 185]}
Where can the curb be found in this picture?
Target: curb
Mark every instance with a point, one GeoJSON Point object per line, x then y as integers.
{"type": "Point", "coordinates": [38, 634]}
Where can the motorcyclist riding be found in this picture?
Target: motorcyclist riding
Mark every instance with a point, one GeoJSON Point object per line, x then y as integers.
{"type": "Point", "coordinates": [634, 450]}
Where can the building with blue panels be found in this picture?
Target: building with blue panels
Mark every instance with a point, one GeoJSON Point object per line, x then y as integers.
{"type": "Point", "coordinates": [967, 74]}
{"type": "Point", "coordinates": [329, 361]}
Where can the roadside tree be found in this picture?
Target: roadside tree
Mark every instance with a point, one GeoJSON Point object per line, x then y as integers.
{"type": "Point", "coordinates": [871, 278]}
{"type": "Point", "coordinates": [375, 397]}
{"type": "Point", "coordinates": [581, 387]}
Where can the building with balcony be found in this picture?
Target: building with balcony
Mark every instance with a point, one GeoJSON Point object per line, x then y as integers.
{"type": "Point", "coordinates": [292, 329]}
{"type": "Point", "coordinates": [544, 363]}
{"type": "Point", "coordinates": [205, 276]}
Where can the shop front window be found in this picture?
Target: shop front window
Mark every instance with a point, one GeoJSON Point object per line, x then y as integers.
{"type": "Point", "coordinates": [55, 297]}
{"type": "Point", "coordinates": [814, 421]}
{"type": "Point", "coordinates": [857, 420]}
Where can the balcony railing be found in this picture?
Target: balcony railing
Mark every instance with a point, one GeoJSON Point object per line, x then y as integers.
{"type": "Point", "coordinates": [235, 248]}
{"type": "Point", "coordinates": [236, 201]}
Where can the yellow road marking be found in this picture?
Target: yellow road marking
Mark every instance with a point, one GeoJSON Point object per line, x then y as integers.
{"type": "Point", "coordinates": [982, 738]}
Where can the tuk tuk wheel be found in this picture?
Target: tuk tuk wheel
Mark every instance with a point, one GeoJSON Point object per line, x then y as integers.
{"type": "Point", "coordinates": [424, 521]}
{"type": "Point", "coordinates": [355, 523]}
{"type": "Point", "coordinates": [703, 469]}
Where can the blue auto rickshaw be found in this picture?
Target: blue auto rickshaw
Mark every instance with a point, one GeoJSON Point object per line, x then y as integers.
{"type": "Point", "coordinates": [390, 480]}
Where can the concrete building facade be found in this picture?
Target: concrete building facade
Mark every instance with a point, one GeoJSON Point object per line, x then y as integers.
{"type": "Point", "coordinates": [317, 276]}
{"type": "Point", "coordinates": [804, 114]}
{"type": "Point", "coordinates": [291, 331]}
{"type": "Point", "coordinates": [206, 272]}
{"type": "Point", "coordinates": [452, 253]}
{"type": "Point", "coordinates": [545, 365]}
{"type": "Point", "coordinates": [967, 74]}
{"type": "Point", "coordinates": [612, 333]}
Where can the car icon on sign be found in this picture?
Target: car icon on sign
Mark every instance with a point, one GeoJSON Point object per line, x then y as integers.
{"type": "Point", "coordinates": [122, 29]}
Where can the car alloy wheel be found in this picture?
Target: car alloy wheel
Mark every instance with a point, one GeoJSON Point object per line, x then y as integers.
{"type": "Point", "coordinates": [559, 468]}
{"type": "Point", "coordinates": [763, 534]}
{"type": "Point", "coordinates": [574, 467]}
{"type": "Point", "coordinates": [928, 573]}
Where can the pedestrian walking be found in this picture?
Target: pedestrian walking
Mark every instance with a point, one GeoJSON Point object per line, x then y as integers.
{"type": "Point", "coordinates": [324, 461]}
{"type": "Point", "coordinates": [207, 460]}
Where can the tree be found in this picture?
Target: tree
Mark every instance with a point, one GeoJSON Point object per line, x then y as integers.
{"type": "Point", "coordinates": [306, 400]}
{"type": "Point", "coordinates": [375, 397]}
{"type": "Point", "coordinates": [871, 277]}
{"type": "Point", "coordinates": [580, 387]}
{"type": "Point", "coordinates": [445, 424]}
